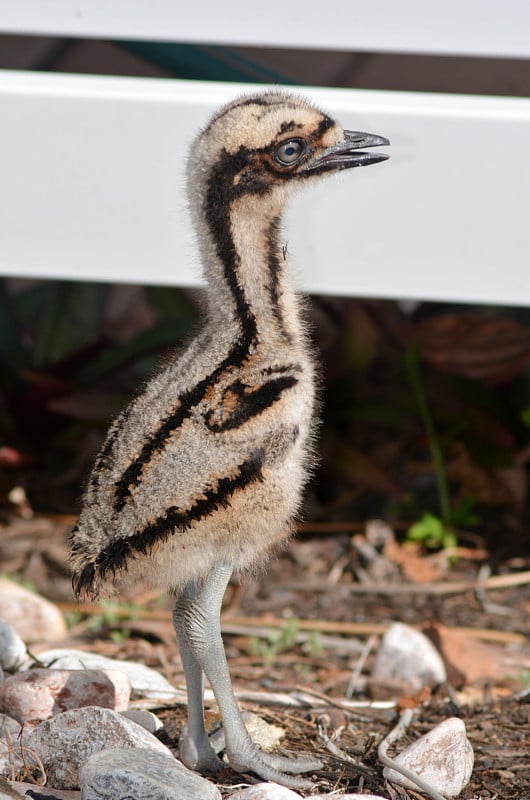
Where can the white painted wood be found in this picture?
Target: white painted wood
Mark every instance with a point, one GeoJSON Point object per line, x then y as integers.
{"type": "Point", "coordinates": [472, 27]}
{"type": "Point", "coordinates": [92, 187]}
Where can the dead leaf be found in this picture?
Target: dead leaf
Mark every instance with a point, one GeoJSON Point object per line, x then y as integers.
{"type": "Point", "coordinates": [489, 348]}
{"type": "Point", "coordinates": [466, 659]}
{"type": "Point", "coordinates": [410, 557]}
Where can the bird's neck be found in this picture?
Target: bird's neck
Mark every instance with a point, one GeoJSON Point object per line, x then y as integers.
{"type": "Point", "coordinates": [249, 292]}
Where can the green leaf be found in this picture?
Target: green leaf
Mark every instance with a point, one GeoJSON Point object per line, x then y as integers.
{"type": "Point", "coordinates": [432, 532]}
{"type": "Point", "coordinates": [465, 513]}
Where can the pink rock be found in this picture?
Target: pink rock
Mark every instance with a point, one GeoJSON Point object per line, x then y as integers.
{"type": "Point", "coordinates": [39, 694]}
{"type": "Point", "coordinates": [443, 757]}
{"type": "Point", "coordinates": [34, 618]}
{"type": "Point", "coordinates": [65, 742]}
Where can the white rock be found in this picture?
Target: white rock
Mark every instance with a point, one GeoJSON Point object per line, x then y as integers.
{"type": "Point", "coordinates": [346, 797]}
{"type": "Point", "coordinates": [142, 775]}
{"type": "Point", "coordinates": [443, 757]}
{"type": "Point", "coordinates": [9, 727]}
{"type": "Point", "coordinates": [262, 733]}
{"type": "Point", "coordinates": [406, 655]}
{"type": "Point", "coordinates": [7, 792]}
{"type": "Point", "coordinates": [265, 791]}
{"type": "Point", "coordinates": [10, 760]}
{"type": "Point", "coordinates": [13, 653]}
{"type": "Point", "coordinates": [34, 618]}
{"type": "Point", "coordinates": [38, 694]}
{"type": "Point", "coordinates": [65, 742]}
{"type": "Point", "coordinates": [145, 682]}
{"type": "Point", "coordinates": [146, 719]}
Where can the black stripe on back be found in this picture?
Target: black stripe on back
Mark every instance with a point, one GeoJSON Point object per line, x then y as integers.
{"type": "Point", "coordinates": [103, 459]}
{"type": "Point", "coordinates": [115, 556]}
{"type": "Point", "coordinates": [217, 213]}
{"type": "Point", "coordinates": [275, 271]}
{"type": "Point", "coordinates": [250, 403]}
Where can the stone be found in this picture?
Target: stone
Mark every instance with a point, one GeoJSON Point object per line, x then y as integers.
{"type": "Point", "coordinates": [142, 775]}
{"type": "Point", "coordinates": [66, 741]}
{"type": "Point", "coordinates": [408, 657]}
{"type": "Point", "coordinates": [146, 719]}
{"type": "Point", "coordinates": [443, 757]}
{"type": "Point", "coordinates": [13, 652]}
{"type": "Point", "coordinates": [38, 694]}
{"type": "Point", "coordinates": [262, 733]}
{"type": "Point", "coordinates": [346, 797]}
{"type": "Point", "coordinates": [34, 618]}
{"type": "Point", "coordinates": [10, 758]}
{"type": "Point", "coordinates": [7, 792]}
{"type": "Point", "coordinates": [9, 727]}
{"type": "Point", "coordinates": [266, 791]}
{"type": "Point", "coordinates": [145, 682]}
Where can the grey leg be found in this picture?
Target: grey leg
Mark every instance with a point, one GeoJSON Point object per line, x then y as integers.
{"type": "Point", "coordinates": [195, 749]}
{"type": "Point", "coordinates": [200, 626]}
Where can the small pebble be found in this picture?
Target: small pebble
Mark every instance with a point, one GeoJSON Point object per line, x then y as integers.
{"type": "Point", "coordinates": [13, 652]}
{"type": "Point", "coordinates": [146, 719]}
{"type": "Point", "coordinates": [265, 791]}
{"type": "Point", "coordinates": [38, 694]}
{"type": "Point", "coordinates": [9, 727]}
{"type": "Point", "coordinates": [66, 741]}
{"type": "Point", "coordinates": [443, 758]}
{"type": "Point", "coordinates": [7, 792]}
{"type": "Point", "coordinates": [262, 733]}
{"type": "Point", "coordinates": [407, 656]}
{"type": "Point", "coordinates": [347, 797]}
{"type": "Point", "coordinates": [145, 682]}
{"type": "Point", "coordinates": [142, 775]}
{"type": "Point", "coordinates": [10, 760]}
{"type": "Point", "coordinates": [33, 617]}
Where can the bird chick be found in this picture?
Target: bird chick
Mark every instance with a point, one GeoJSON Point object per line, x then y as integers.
{"type": "Point", "coordinates": [202, 474]}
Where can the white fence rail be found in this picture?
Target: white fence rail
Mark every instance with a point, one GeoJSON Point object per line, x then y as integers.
{"type": "Point", "coordinates": [92, 167]}
{"type": "Point", "coordinates": [452, 27]}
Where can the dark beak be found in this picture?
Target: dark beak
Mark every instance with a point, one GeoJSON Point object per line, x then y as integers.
{"type": "Point", "coordinates": [349, 153]}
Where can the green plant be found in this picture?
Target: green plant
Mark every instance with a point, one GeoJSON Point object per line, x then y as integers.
{"type": "Point", "coordinates": [436, 530]}
{"type": "Point", "coordinates": [278, 641]}
{"type": "Point", "coordinates": [524, 678]}
{"type": "Point", "coordinates": [412, 362]}
{"type": "Point", "coordinates": [432, 532]}
{"type": "Point", "coordinates": [313, 645]}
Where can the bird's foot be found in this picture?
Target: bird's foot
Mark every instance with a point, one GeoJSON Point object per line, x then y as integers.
{"type": "Point", "coordinates": [198, 754]}
{"type": "Point", "coordinates": [272, 767]}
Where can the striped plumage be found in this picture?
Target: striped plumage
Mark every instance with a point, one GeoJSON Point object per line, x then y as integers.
{"type": "Point", "coordinates": [202, 474]}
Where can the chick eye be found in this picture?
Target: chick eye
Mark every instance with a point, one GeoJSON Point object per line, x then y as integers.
{"type": "Point", "coordinates": [289, 152]}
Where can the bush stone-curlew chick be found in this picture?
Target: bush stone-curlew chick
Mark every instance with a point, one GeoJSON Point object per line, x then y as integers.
{"type": "Point", "coordinates": [202, 474]}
